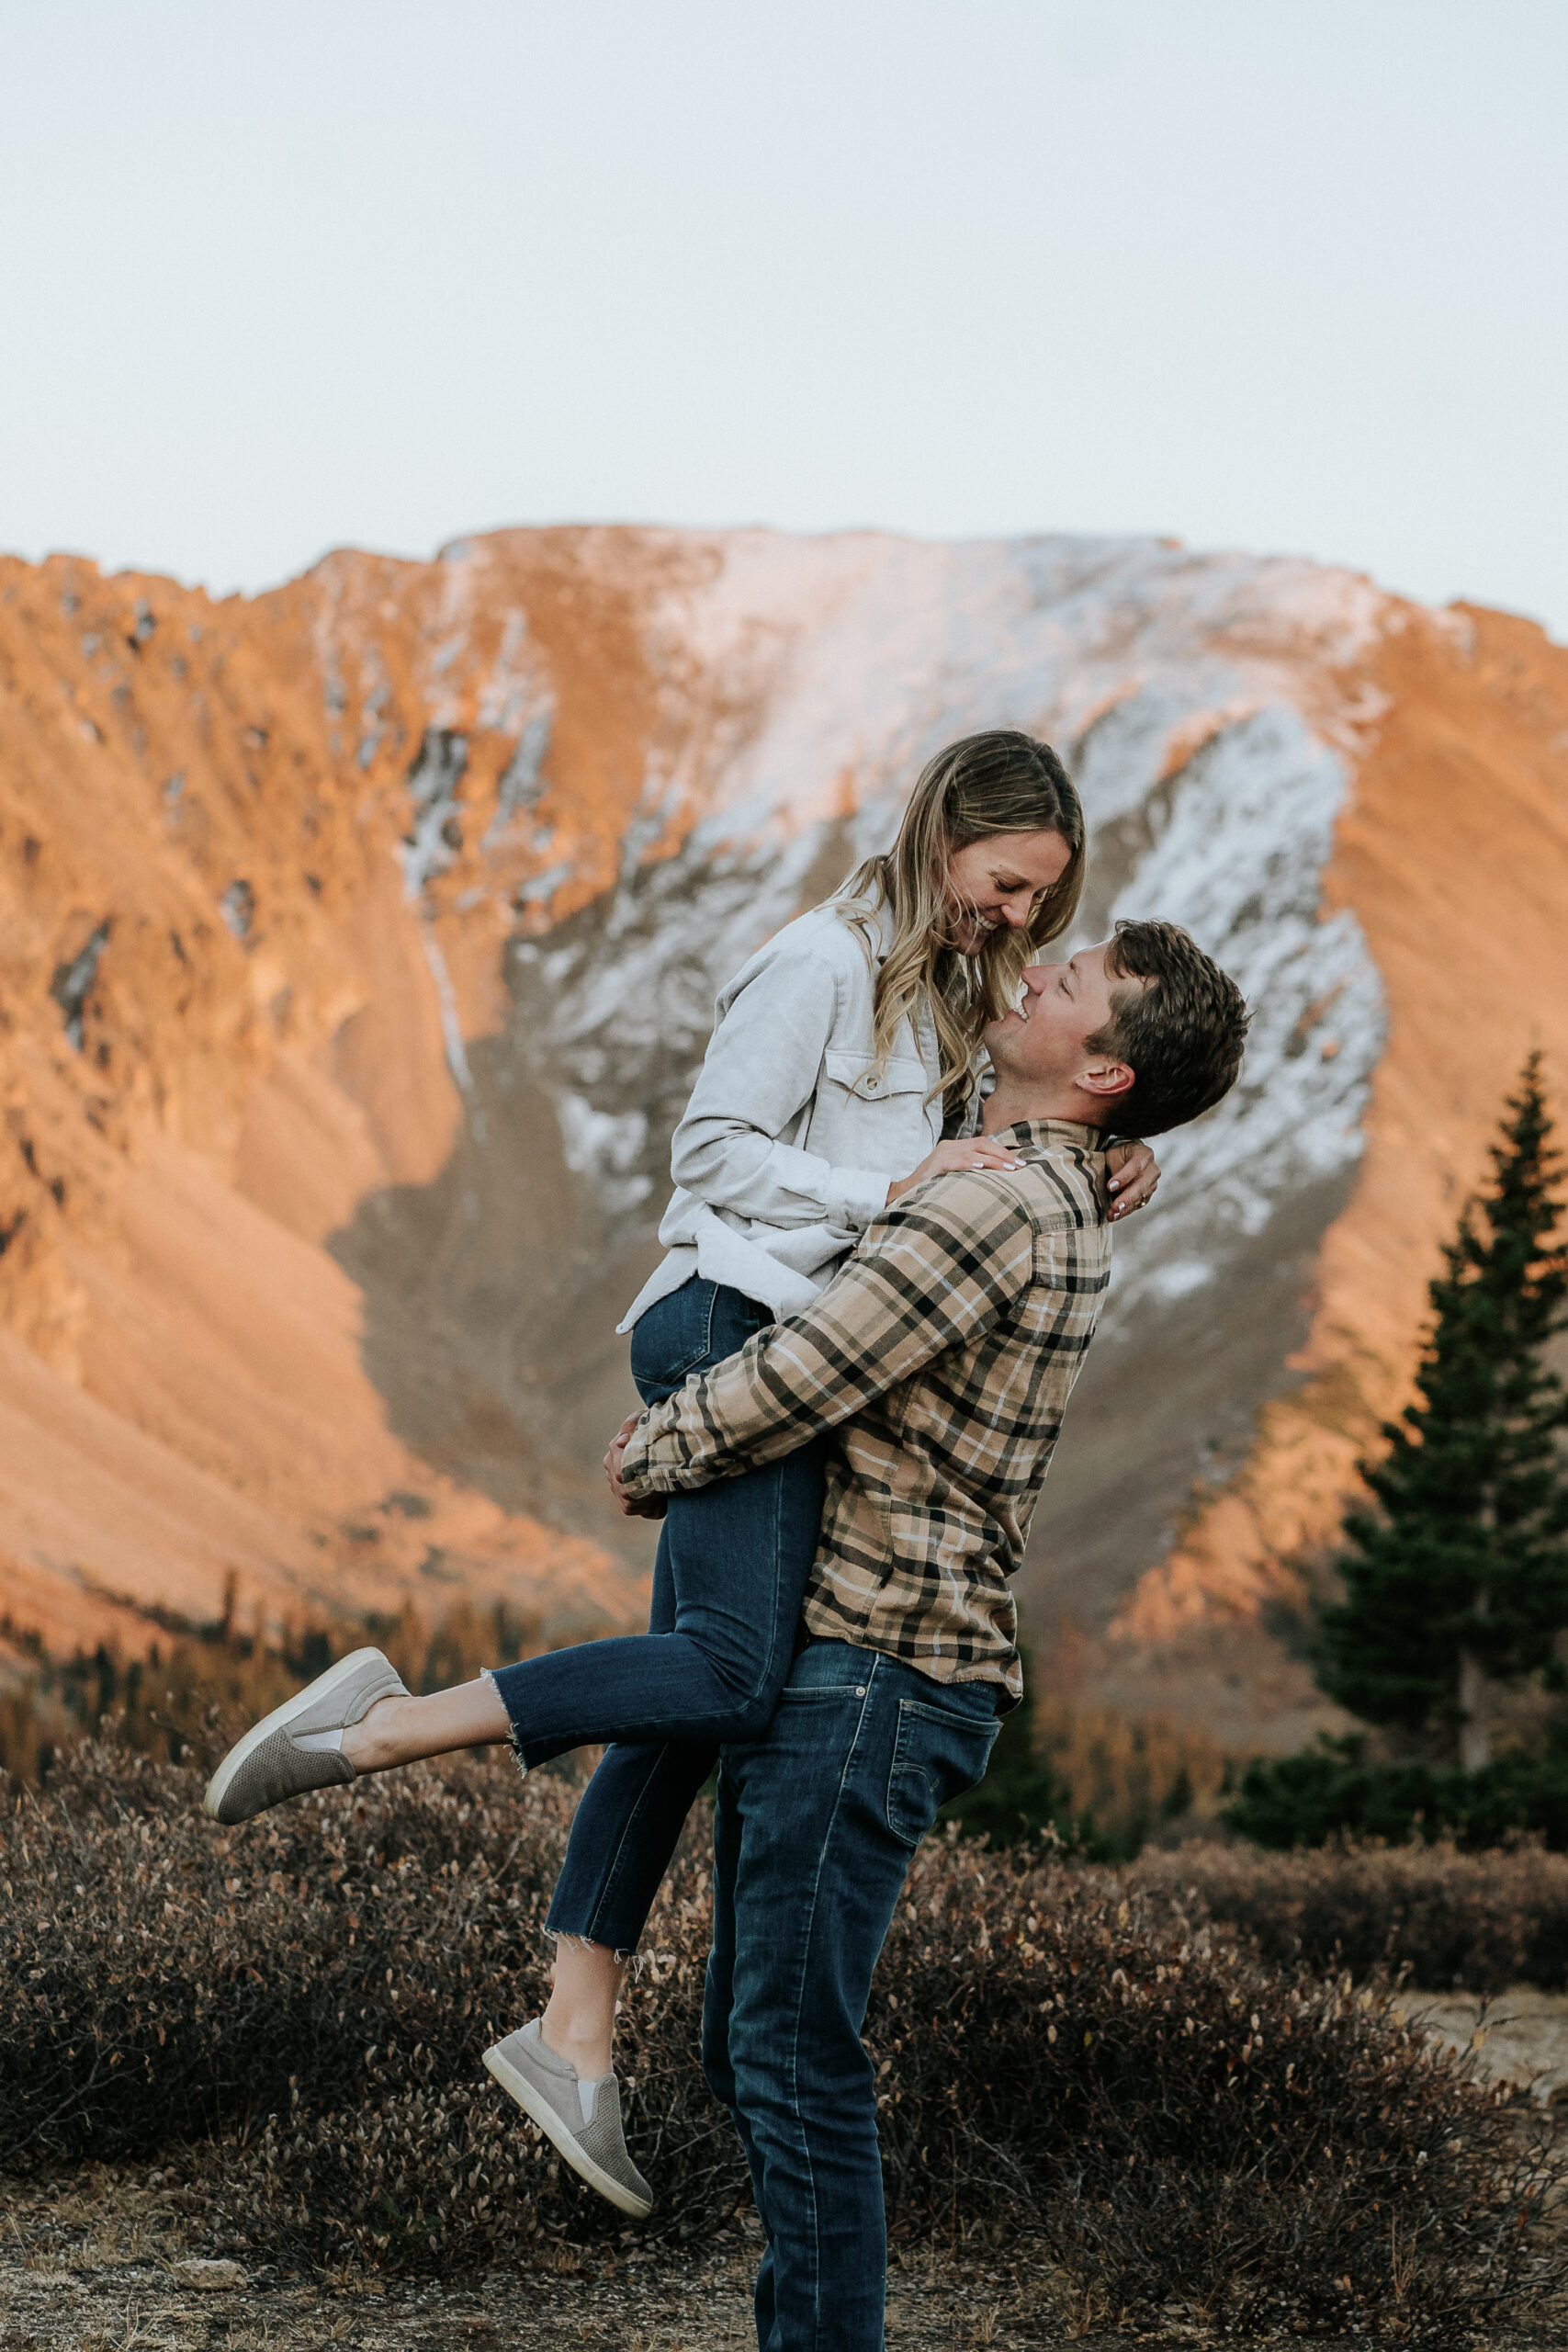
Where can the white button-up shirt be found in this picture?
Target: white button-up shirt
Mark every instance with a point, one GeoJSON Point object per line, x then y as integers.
{"type": "Point", "coordinates": [792, 1137]}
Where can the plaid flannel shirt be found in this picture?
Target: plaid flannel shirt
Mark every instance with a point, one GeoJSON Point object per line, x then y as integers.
{"type": "Point", "coordinates": [941, 1355]}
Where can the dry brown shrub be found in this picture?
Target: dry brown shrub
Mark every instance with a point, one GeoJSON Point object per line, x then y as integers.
{"type": "Point", "coordinates": [301, 2005]}
{"type": "Point", "coordinates": [1443, 1918]}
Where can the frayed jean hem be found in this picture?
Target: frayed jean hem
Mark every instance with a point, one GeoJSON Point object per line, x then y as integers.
{"type": "Point", "coordinates": [513, 1740]}
{"type": "Point", "coordinates": [633, 1959]}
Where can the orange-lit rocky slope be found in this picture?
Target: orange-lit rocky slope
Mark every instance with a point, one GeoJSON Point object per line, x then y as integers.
{"type": "Point", "coordinates": [1452, 851]}
{"type": "Point", "coordinates": [358, 945]}
{"type": "Point", "coordinates": [222, 1029]}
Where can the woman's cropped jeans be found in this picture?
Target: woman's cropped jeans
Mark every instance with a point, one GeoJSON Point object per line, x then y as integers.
{"type": "Point", "coordinates": [727, 1585]}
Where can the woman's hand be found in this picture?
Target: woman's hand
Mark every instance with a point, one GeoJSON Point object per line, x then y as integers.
{"type": "Point", "coordinates": [976, 1151]}
{"type": "Point", "coordinates": [1134, 1172]}
{"type": "Point", "coordinates": [651, 1506]}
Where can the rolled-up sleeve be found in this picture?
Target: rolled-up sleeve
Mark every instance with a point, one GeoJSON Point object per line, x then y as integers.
{"type": "Point", "coordinates": [763, 1066]}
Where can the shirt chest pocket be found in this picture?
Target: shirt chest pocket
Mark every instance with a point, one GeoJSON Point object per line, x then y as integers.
{"type": "Point", "coordinates": [874, 1118]}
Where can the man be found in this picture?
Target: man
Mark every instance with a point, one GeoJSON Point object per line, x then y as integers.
{"type": "Point", "coordinates": [941, 1355]}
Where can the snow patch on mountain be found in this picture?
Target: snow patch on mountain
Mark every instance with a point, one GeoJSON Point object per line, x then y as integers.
{"type": "Point", "coordinates": [1237, 859]}
{"type": "Point", "coordinates": [826, 672]}
{"type": "Point", "coordinates": [844, 663]}
{"type": "Point", "coordinates": [435, 786]}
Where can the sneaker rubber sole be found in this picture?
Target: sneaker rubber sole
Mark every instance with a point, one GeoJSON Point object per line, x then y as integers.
{"type": "Point", "coordinates": [322, 1687]}
{"type": "Point", "coordinates": [539, 2110]}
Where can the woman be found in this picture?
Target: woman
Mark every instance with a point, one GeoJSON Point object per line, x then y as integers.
{"type": "Point", "coordinates": [840, 1054]}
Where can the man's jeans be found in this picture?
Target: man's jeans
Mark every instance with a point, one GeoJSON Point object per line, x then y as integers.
{"type": "Point", "coordinates": [727, 1585]}
{"type": "Point", "coordinates": [814, 1830]}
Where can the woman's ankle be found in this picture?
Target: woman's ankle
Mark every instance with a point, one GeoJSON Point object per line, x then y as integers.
{"type": "Point", "coordinates": [370, 1745]}
{"type": "Point", "coordinates": [401, 1729]}
{"type": "Point", "coordinates": [578, 2023]}
{"type": "Point", "coordinates": [587, 2046]}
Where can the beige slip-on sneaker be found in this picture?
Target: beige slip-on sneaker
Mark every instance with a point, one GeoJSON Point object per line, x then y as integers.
{"type": "Point", "coordinates": [268, 1766]}
{"type": "Point", "coordinates": [548, 2089]}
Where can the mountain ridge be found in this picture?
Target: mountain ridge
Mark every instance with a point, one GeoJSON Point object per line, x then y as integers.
{"type": "Point", "coordinates": [367, 943]}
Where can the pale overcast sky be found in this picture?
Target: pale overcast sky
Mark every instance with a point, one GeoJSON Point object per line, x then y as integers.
{"type": "Point", "coordinates": [278, 278]}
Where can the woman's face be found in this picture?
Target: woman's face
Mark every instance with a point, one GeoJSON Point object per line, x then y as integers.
{"type": "Point", "coordinates": [994, 883]}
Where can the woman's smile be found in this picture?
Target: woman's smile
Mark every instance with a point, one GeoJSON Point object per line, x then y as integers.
{"type": "Point", "coordinates": [996, 884]}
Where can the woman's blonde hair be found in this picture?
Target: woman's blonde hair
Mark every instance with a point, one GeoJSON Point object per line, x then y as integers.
{"type": "Point", "coordinates": [984, 785]}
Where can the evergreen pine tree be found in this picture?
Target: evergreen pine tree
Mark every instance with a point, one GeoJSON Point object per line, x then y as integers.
{"type": "Point", "coordinates": [1459, 1576]}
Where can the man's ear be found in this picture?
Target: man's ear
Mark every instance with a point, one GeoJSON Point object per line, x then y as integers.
{"type": "Point", "coordinates": [1105, 1080]}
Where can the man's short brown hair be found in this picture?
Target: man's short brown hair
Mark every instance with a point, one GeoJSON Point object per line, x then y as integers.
{"type": "Point", "coordinates": [1182, 1033]}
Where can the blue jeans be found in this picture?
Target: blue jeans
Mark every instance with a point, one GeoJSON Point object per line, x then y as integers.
{"type": "Point", "coordinates": [813, 1835]}
{"type": "Point", "coordinates": [727, 1585]}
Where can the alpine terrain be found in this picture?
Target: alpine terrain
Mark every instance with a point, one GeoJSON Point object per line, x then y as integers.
{"type": "Point", "coordinates": [360, 946]}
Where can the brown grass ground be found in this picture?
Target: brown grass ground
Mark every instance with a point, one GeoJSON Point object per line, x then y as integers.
{"type": "Point", "coordinates": [92, 2263]}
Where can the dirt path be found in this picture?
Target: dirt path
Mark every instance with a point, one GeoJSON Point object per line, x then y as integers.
{"type": "Point", "coordinates": [93, 2265]}
{"type": "Point", "coordinates": [703, 2307]}
{"type": "Point", "coordinates": [1519, 2036]}
{"type": "Point", "coordinates": [101, 2273]}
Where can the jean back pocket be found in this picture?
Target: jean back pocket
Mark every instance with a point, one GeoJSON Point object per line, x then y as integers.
{"type": "Point", "coordinates": [937, 1753]}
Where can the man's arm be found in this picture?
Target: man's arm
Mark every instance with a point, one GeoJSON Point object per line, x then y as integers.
{"type": "Point", "coordinates": [932, 1273]}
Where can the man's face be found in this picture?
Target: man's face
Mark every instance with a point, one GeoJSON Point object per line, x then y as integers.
{"type": "Point", "coordinates": [1047, 1041]}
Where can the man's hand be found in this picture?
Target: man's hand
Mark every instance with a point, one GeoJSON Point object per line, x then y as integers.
{"type": "Point", "coordinates": [655, 1506]}
{"type": "Point", "coordinates": [976, 1151]}
{"type": "Point", "coordinates": [1134, 1172]}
